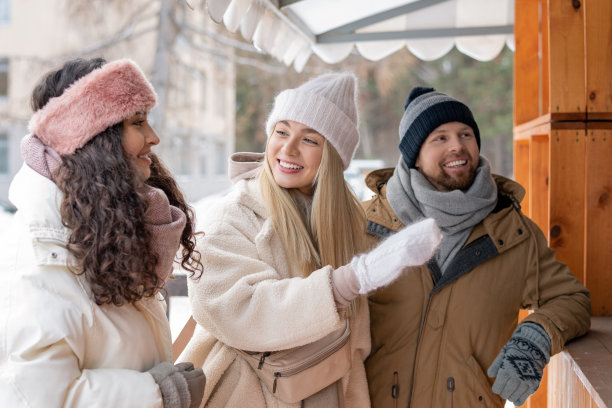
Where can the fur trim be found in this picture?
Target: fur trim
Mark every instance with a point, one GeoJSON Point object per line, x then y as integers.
{"type": "Point", "coordinates": [100, 99]}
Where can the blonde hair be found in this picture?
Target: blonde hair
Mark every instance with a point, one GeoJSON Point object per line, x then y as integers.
{"type": "Point", "coordinates": [337, 221]}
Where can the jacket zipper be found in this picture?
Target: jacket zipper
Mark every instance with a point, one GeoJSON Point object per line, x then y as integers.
{"type": "Point", "coordinates": [450, 386]}
{"type": "Point", "coordinates": [417, 349]}
{"type": "Point", "coordinates": [395, 389]}
{"type": "Point", "coordinates": [312, 362]}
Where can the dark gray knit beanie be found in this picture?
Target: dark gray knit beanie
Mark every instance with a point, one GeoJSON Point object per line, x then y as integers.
{"type": "Point", "coordinates": [424, 111]}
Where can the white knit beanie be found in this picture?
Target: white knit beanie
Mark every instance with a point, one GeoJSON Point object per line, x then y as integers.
{"type": "Point", "coordinates": [327, 104]}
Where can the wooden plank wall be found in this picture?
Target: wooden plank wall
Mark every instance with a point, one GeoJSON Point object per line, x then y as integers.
{"type": "Point", "coordinates": [527, 61]}
{"type": "Point", "coordinates": [562, 141]}
{"type": "Point", "coordinates": [567, 181]}
{"type": "Point", "coordinates": [598, 243]}
{"type": "Point", "coordinates": [521, 170]}
{"type": "Point", "coordinates": [566, 56]}
{"type": "Point", "coordinates": [599, 59]}
{"type": "Point", "coordinates": [538, 180]}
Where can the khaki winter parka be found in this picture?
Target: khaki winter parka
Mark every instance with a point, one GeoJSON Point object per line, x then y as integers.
{"type": "Point", "coordinates": [434, 336]}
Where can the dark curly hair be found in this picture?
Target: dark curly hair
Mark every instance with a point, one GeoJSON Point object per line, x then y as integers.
{"type": "Point", "coordinates": [162, 179]}
{"type": "Point", "coordinates": [104, 206]}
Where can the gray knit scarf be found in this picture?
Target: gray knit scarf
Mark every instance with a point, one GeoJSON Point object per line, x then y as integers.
{"type": "Point", "coordinates": [412, 197]}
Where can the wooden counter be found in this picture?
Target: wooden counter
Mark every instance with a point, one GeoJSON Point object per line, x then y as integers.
{"type": "Point", "coordinates": [581, 375]}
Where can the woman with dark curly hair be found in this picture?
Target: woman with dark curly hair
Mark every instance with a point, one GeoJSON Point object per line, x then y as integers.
{"type": "Point", "coordinates": [98, 227]}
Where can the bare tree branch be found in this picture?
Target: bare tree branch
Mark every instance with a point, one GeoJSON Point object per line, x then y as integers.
{"type": "Point", "coordinates": [277, 70]}
{"type": "Point", "coordinates": [124, 33]}
{"type": "Point", "coordinates": [229, 42]}
{"type": "Point", "coordinates": [120, 37]}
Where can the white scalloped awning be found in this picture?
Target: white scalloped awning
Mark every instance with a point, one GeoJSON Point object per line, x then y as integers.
{"type": "Point", "coordinates": [291, 30]}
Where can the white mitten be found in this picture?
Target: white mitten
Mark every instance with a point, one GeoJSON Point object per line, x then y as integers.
{"type": "Point", "coordinates": [411, 246]}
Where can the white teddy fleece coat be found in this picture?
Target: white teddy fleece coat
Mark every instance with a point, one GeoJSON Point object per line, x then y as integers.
{"type": "Point", "coordinates": [253, 298]}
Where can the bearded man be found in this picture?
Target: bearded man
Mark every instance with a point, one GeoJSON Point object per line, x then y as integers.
{"type": "Point", "coordinates": [445, 334]}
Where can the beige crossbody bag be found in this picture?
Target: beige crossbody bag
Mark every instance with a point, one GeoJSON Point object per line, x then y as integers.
{"type": "Point", "coordinates": [295, 374]}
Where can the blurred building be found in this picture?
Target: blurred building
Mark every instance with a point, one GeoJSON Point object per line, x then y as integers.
{"type": "Point", "coordinates": [179, 49]}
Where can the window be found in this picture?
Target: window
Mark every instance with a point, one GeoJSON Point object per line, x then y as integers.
{"type": "Point", "coordinates": [220, 101]}
{"type": "Point", "coordinates": [221, 158]}
{"type": "Point", "coordinates": [178, 89]}
{"type": "Point", "coordinates": [202, 157]}
{"type": "Point", "coordinates": [4, 154]}
{"type": "Point", "coordinates": [4, 77]}
{"type": "Point", "coordinates": [203, 88]}
{"type": "Point", "coordinates": [182, 149]}
{"type": "Point", "coordinates": [5, 11]}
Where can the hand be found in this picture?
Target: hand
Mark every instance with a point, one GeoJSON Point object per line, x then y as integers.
{"type": "Point", "coordinates": [181, 385]}
{"type": "Point", "coordinates": [411, 246]}
{"type": "Point", "coordinates": [196, 380]}
{"type": "Point", "coordinates": [519, 365]}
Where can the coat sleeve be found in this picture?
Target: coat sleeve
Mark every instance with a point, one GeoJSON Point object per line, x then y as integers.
{"type": "Point", "coordinates": [245, 298]}
{"type": "Point", "coordinates": [560, 302]}
{"type": "Point", "coordinates": [42, 353]}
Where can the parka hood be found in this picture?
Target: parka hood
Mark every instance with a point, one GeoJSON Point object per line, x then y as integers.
{"type": "Point", "coordinates": [244, 165]}
{"type": "Point", "coordinates": [38, 201]}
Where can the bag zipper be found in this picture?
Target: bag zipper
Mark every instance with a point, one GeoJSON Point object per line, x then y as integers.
{"type": "Point", "coordinates": [276, 376]}
{"type": "Point", "coordinates": [262, 359]}
{"type": "Point", "coordinates": [314, 361]}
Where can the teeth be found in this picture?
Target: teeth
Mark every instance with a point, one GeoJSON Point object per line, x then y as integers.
{"type": "Point", "coordinates": [289, 165]}
{"type": "Point", "coordinates": [455, 163]}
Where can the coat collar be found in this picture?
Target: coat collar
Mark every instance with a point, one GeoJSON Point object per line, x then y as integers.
{"type": "Point", "coordinates": [246, 193]}
{"type": "Point", "coordinates": [38, 200]}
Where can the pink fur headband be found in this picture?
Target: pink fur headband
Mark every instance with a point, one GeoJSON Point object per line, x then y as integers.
{"type": "Point", "coordinates": [100, 99]}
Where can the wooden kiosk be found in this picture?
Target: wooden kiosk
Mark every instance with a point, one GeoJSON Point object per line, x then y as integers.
{"type": "Point", "coordinates": [563, 157]}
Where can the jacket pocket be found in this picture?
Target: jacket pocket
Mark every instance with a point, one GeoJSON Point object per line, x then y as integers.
{"type": "Point", "coordinates": [49, 251]}
{"type": "Point", "coordinates": [483, 395]}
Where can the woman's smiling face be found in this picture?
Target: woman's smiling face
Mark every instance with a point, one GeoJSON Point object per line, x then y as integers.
{"type": "Point", "coordinates": [138, 138]}
{"type": "Point", "coordinates": [294, 154]}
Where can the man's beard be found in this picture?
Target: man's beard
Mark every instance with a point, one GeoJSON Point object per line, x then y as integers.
{"type": "Point", "coordinates": [444, 182]}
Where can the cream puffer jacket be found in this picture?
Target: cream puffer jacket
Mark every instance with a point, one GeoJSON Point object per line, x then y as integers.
{"type": "Point", "coordinates": [58, 348]}
{"type": "Point", "coordinates": [253, 298]}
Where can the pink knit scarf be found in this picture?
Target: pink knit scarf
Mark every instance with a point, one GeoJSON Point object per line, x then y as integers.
{"type": "Point", "coordinates": [165, 222]}
{"type": "Point", "coordinates": [43, 159]}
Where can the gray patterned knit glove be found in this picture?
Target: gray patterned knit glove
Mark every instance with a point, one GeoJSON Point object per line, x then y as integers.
{"type": "Point", "coordinates": [519, 365]}
{"type": "Point", "coordinates": [181, 385]}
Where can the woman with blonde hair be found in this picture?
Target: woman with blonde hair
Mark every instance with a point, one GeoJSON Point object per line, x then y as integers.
{"type": "Point", "coordinates": [282, 272]}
